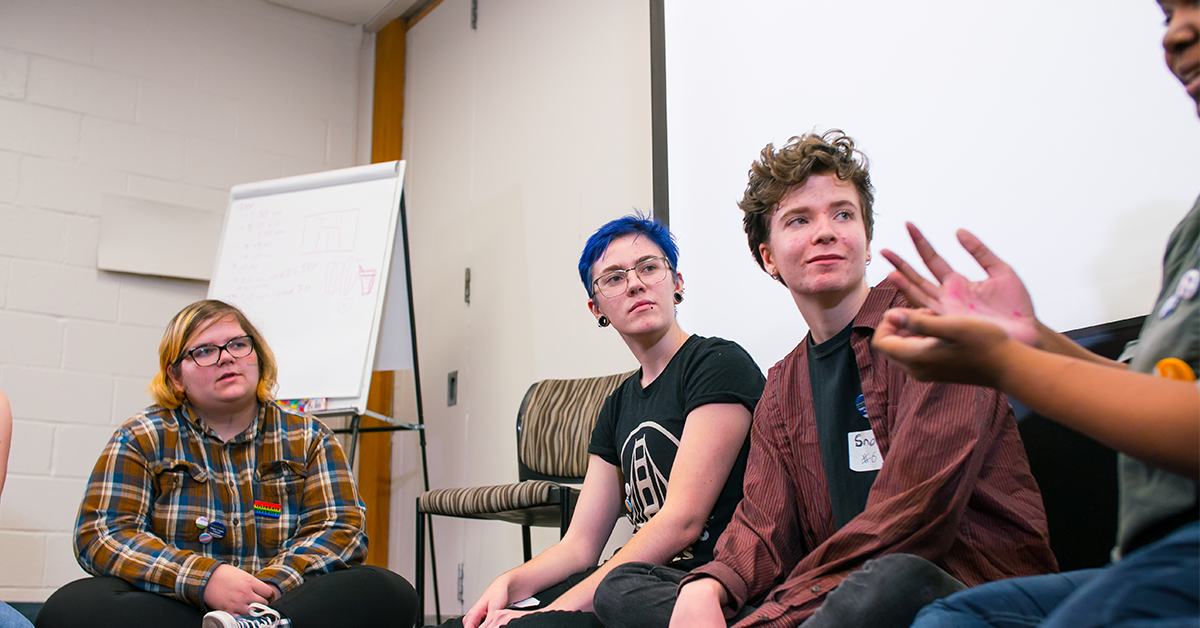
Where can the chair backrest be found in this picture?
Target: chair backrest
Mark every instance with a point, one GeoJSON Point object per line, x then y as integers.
{"type": "Point", "coordinates": [555, 424]}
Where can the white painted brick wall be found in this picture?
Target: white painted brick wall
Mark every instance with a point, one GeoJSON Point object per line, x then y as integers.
{"type": "Point", "coordinates": [54, 396]}
{"type": "Point", "coordinates": [36, 130]}
{"type": "Point", "coordinates": [36, 446]}
{"type": "Point", "coordinates": [8, 177]}
{"type": "Point", "coordinates": [174, 193]}
{"type": "Point", "coordinates": [61, 565]}
{"type": "Point", "coordinates": [76, 87]}
{"type": "Point", "coordinates": [40, 504]}
{"type": "Point", "coordinates": [32, 27]}
{"type": "Point", "coordinates": [130, 397]}
{"type": "Point", "coordinates": [41, 185]}
{"type": "Point", "coordinates": [76, 448]}
{"type": "Point", "coordinates": [173, 102]}
{"type": "Point", "coordinates": [182, 109]}
{"type": "Point", "coordinates": [33, 233]}
{"type": "Point", "coordinates": [30, 339]}
{"type": "Point", "coordinates": [56, 289]}
{"type": "Point", "coordinates": [25, 549]}
{"type": "Point", "coordinates": [4, 266]}
{"type": "Point", "coordinates": [111, 348]}
{"type": "Point", "coordinates": [133, 148]}
{"type": "Point", "coordinates": [82, 240]}
{"type": "Point", "coordinates": [153, 300]}
{"type": "Point", "coordinates": [13, 70]}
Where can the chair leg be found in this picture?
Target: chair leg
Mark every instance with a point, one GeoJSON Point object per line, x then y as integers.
{"type": "Point", "coordinates": [526, 543]}
{"type": "Point", "coordinates": [437, 596]}
{"type": "Point", "coordinates": [566, 510]}
{"type": "Point", "coordinates": [419, 584]}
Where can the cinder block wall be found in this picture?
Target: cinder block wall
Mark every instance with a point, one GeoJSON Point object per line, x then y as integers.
{"type": "Point", "coordinates": [172, 101]}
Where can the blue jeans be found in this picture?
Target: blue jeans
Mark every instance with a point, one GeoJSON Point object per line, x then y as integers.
{"type": "Point", "coordinates": [10, 618]}
{"type": "Point", "coordinates": [1157, 586]}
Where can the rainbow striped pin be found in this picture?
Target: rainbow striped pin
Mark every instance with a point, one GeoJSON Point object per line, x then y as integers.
{"type": "Point", "coordinates": [267, 509]}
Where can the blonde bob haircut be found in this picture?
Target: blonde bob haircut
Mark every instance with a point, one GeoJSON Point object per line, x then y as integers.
{"type": "Point", "coordinates": [190, 321]}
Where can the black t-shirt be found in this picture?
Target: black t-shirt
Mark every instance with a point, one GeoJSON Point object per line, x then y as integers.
{"type": "Point", "coordinates": [638, 430]}
{"type": "Point", "coordinates": [842, 425]}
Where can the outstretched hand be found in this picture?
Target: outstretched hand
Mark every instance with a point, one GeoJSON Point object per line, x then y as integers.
{"type": "Point", "coordinates": [1001, 299]}
{"type": "Point", "coordinates": [956, 349]}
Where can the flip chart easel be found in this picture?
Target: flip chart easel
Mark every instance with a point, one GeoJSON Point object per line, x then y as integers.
{"type": "Point", "coordinates": [312, 260]}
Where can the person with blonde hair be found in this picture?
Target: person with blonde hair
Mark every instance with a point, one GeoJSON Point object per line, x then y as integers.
{"type": "Point", "coordinates": [219, 500]}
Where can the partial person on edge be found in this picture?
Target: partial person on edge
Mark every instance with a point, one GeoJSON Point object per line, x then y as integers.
{"type": "Point", "coordinates": [9, 617]}
{"type": "Point", "coordinates": [986, 333]}
{"type": "Point", "coordinates": [867, 494]}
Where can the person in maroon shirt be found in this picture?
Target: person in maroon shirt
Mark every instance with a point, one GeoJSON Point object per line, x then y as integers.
{"type": "Point", "coordinates": [867, 494]}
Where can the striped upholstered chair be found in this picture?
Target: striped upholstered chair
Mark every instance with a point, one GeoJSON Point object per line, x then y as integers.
{"type": "Point", "coordinates": [554, 425]}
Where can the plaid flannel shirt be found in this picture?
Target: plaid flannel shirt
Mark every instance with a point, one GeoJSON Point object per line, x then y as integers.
{"type": "Point", "coordinates": [163, 469]}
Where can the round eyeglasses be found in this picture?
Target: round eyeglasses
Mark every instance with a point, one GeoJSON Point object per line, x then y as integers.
{"type": "Point", "coordinates": [650, 271]}
{"type": "Point", "coordinates": [208, 355]}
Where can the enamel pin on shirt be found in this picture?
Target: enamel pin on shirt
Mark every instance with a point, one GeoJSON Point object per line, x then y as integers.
{"type": "Point", "coordinates": [1188, 284]}
{"type": "Point", "coordinates": [267, 509]}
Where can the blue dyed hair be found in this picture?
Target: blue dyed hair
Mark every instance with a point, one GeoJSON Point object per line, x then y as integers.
{"type": "Point", "coordinates": [623, 226]}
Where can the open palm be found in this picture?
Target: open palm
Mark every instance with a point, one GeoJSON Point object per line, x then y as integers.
{"type": "Point", "coordinates": [1001, 299]}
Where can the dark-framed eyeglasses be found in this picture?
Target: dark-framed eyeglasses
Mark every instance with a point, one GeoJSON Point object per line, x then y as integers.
{"type": "Point", "coordinates": [650, 271]}
{"type": "Point", "coordinates": [208, 355]}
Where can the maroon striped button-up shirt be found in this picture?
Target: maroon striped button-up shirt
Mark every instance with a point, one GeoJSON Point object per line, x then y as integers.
{"type": "Point", "coordinates": [955, 487]}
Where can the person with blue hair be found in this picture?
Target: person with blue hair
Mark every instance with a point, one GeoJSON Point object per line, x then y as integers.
{"type": "Point", "coordinates": [669, 447]}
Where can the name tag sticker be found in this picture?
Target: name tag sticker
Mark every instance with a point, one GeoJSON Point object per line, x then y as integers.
{"type": "Point", "coordinates": [864, 452]}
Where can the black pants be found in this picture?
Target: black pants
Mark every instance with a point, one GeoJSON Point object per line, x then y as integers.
{"type": "Point", "coordinates": [361, 595]}
{"type": "Point", "coordinates": [886, 593]}
{"type": "Point", "coordinates": [550, 619]}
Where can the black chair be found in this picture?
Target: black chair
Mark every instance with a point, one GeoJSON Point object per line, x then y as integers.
{"type": "Point", "coordinates": [1077, 475]}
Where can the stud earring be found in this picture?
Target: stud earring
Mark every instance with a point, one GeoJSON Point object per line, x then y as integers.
{"type": "Point", "coordinates": [679, 297]}
{"type": "Point", "coordinates": [602, 321]}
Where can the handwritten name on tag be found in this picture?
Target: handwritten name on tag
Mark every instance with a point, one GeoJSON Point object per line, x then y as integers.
{"type": "Point", "coordinates": [864, 451]}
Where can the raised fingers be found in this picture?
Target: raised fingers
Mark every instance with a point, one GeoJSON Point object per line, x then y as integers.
{"type": "Point", "coordinates": [982, 254]}
{"type": "Point", "coordinates": [920, 291]}
{"type": "Point", "coordinates": [933, 261]}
